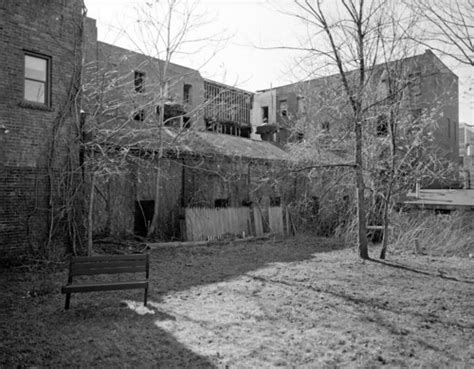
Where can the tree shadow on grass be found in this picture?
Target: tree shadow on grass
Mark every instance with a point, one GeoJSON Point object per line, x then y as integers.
{"type": "Point", "coordinates": [419, 271]}
{"type": "Point", "coordinates": [104, 333]}
{"type": "Point", "coordinates": [175, 269]}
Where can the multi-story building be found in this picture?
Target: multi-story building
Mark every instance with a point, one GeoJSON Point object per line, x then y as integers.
{"type": "Point", "coordinates": [132, 86]}
{"type": "Point", "coordinates": [40, 73]}
{"type": "Point", "coordinates": [320, 104]}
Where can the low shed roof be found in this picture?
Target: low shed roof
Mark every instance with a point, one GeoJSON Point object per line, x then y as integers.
{"type": "Point", "coordinates": [200, 143]}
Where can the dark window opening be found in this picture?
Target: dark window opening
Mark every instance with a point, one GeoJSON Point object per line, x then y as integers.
{"type": "Point", "coordinates": [37, 78]}
{"type": "Point", "coordinates": [315, 205]}
{"type": "Point", "coordinates": [221, 203]}
{"type": "Point", "coordinates": [325, 126]}
{"type": "Point", "coordinates": [187, 94]}
{"type": "Point", "coordinates": [186, 122]}
{"type": "Point", "coordinates": [246, 202]}
{"type": "Point", "coordinates": [299, 136]}
{"type": "Point", "coordinates": [283, 108]}
{"type": "Point", "coordinates": [275, 201]}
{"type": "Point", "coordinates": [382, 125]}
{"type": "Point", "coordinates": [139, 81]}
{"type": "Point", "coordinates": [144, 211]}
{"type": "Point", "coordinates": [139, 115]}
{"type": "Point", "coordinates": [265, 114]}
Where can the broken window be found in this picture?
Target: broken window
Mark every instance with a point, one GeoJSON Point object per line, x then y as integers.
{"type": "Point", "coordinates": [283, 108]}
{"type": "Point", "coordinates": [139, 81]}
{"type": "Point", "coordinates": [325, 126]}
{"type": "Point", "coordinates": [187, 94]}
{"type": "Point", "coordinates": [221, 203]}
{"type": "Point", "coordinates": [37, 78]}
{"type": "Point", "coordinates": [265, 114]}
{"type": "Point", "coordinates": [275, 201]}
{"type": "Point", "coordinates": [139, 115]}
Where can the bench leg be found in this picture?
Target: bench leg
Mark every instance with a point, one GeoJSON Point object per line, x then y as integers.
{"type": "Point", "coordinates": [146, 296]}
{"type": "Point", "coordinates": [68, 299]}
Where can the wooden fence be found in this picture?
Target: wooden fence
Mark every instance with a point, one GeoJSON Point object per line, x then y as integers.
{"type": "Point", "coordinates": [209, 223]}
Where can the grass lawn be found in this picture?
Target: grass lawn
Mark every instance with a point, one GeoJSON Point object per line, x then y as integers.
{"type": "Point", "coordinates": [302, 302]}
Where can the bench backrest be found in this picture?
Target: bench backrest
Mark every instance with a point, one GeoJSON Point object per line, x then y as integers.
{"type": "Point", "coordinates": [110, 264]}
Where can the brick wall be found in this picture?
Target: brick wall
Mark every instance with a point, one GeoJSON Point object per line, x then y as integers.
{"type": "Point", "coordinates": [36, 140]}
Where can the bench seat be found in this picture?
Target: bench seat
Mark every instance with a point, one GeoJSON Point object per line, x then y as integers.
{"type": "Point", "coordinates": [106, 286]}
{"type": "Point", "coordinates": [88, 266]}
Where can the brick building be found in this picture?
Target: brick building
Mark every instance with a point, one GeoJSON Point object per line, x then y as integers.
{"type": "Point", "coordinates": [319, 106]}
{"type": "Point", "coordinates": [203, 149]}
{"type": "Point", "coordinates": [40, 69]}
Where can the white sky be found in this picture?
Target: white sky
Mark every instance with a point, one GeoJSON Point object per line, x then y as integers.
{"type": "Point", "coordinates": [250, 23]}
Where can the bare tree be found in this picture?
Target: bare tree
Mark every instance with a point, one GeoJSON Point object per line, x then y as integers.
{"type": "Point", "coordinates": [446, 26]}
{"type": "Point", "coordinates": [366, 102]}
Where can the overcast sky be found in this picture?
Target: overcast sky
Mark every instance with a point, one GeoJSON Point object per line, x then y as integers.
{"type": "Point", "coordinates": [249, 24]}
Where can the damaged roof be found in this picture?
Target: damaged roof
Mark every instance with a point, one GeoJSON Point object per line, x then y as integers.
{"type": "Point", "coordinates": [201, 143]}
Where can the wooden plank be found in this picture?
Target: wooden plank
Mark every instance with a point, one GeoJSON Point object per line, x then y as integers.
{"type": "Point", "coordinates": [258, 222]}
{"type": "Point", "coordinates": [108, 263]}
{"type": "Point", "coordinates": [78, 270]}
{"type": "Point", "coordinates": [89, 287]}
{"type": "Point", "coordinates": [109, 257]}
{"type": "Point", "coordinates": [275, 220]}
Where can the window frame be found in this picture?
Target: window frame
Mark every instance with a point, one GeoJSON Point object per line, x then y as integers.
{"type": "Point", "coordinates": [187, 93]}
{"type": "Point", "coordinates": [283, 108]}
{"type": "Point", "coordinates": [47, 83]}
{"type": "Point", "coordinates": [139, 81]}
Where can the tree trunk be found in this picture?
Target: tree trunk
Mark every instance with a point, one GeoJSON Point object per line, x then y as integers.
{"type": "Point", "coordinates": [385, 229]}
{"type": "Point", "coordinates": [361, 210]}
{"type": "Point", "coordinates": [89, 216]}
{"type": "Point", "coordinates": [154, 221]}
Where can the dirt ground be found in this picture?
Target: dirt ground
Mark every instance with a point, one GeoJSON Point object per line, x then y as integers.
{"type": "Point", "coordinates": [303, 302]}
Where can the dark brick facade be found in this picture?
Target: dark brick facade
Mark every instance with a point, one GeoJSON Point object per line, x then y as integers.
{"type": "Point", "coordinates": [38, 141]}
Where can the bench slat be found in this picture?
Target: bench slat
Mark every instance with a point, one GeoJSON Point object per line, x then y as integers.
{"type": "Point", "coordinates": [107, 264]}
{"type": "Point", "coordinates": [77, 270]}
{"type": "Point", "coordinates": [103, 267]}
{"type": "Point", "coordinates": [79, 259]}
{"type": "Point", "coordinates": [90, 287]}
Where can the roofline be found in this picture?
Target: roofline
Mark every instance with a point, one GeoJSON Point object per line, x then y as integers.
{"type": "Point", "coordinates": [427, 52]}
{"type": "Point", "coordinates": [228, 86]}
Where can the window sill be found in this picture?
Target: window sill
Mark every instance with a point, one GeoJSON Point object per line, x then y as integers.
{"type": "Point", "coordinates": [36, 106]}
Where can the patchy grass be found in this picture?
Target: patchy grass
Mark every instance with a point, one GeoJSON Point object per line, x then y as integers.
{"type": "Point", "coordinates": [436, 234]}
{"type": "Point", "coordinates": [298, 302]}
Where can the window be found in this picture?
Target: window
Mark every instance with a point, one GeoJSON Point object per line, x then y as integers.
{"type": "Point", "coordinates": [275, 201]}
{"type": "Point", "coordinates": [187, 94]}
{"type": "Point", "coordinates": [221, 203]}
{"type": "Point", "coordinates": [139, 81]}
{"type": "Point", "coordinates": [37, 78]}
{"type": "Point", "coordinates": [301, 105]}
{"type": "Point", "coordinates": [283, 108]}
{"type": "Point", "coordinates": [139, 115]}
{"type": "Point", "coordinates": [382, 125]}
{"type": "Point", "coordinates": [325, 126]}
{"type": "Point", "coordinates": [265, 114]}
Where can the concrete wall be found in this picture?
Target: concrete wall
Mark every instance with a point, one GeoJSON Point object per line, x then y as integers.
{"type": "Point", "coordinates": [38, 142]}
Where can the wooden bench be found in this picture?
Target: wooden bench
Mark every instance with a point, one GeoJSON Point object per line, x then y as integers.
{"type": "Point", "coordinates": [111, 264]}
